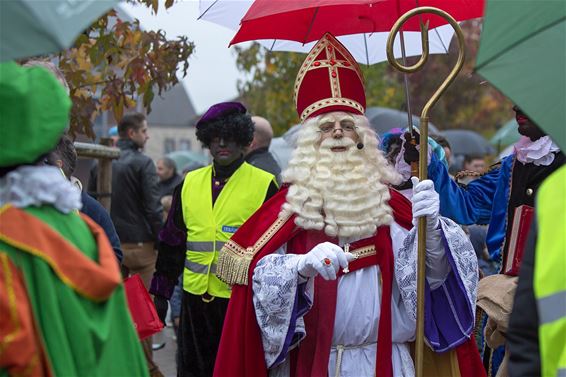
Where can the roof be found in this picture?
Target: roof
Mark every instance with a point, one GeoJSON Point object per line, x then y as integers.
{"type": "Point", "coordinates": [174, 108]}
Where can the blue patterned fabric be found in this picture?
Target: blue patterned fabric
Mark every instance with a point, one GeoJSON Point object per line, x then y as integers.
{"type": "Point", "coordinates": [482, 201]}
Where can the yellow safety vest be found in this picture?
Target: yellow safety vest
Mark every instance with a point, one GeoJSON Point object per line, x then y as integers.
{"type": "Point", "coordinates": [550, 273]}
{"type": "Point", "coordinates": [209, 227]}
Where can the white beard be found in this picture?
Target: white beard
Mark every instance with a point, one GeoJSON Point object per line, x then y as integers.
{"type": "Point", "coordinates": [342, 194]}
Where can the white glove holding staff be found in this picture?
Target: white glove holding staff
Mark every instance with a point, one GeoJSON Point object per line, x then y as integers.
{"type": "Point", "coordinates": [426, 202]}
{"type": "Point", "coordinates": [324, 259]}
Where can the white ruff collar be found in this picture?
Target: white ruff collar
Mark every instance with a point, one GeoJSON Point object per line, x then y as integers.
{"type": "Point", "coordinates": [539, 152]}
{"type": "Point", "coordinates": [38, 185]}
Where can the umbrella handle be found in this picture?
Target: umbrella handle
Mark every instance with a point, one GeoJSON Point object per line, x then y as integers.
{"type": "Point", "coordinates": [414, 164]}
{"type": "Point", "coordinates": [423, 153]}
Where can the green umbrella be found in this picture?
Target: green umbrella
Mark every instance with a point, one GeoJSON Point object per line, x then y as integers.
{"type": "Point", "coordinates": [523, 53]}
{"type": "Point", "coordinates": [508, 134]}
{"type": "Point", "coordinates": [37, 27]}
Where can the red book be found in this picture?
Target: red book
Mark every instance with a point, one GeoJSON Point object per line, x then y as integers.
{"type": "Point", "coordinates": [522, 219]}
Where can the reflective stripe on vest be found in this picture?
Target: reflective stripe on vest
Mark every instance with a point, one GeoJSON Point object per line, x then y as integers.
{"type": "Point", "coordinates": [199, 268]}
{"type": "Point", "coordinates": [552, 308]}
{"type": "Point", "coordinates": [549, 280]}
{"type": "Point", "coordinates": [209, 227]}
{"type": "Point", "coordinates": [204, 246]}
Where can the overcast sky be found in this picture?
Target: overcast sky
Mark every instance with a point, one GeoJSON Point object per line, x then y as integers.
{"type": "Point", "coordinates": [212, 71]}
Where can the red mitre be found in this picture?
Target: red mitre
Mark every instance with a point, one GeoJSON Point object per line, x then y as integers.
{"type": "Point", "coordinates": [329, 80]}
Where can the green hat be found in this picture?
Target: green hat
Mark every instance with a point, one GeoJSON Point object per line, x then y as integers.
{"type": "Point", "coordinates": [34, 111]}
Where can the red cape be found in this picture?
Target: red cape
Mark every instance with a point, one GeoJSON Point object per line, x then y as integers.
{"type": "Point", "coordinates": [241, 351]}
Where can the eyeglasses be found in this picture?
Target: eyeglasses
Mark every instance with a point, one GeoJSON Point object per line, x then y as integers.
{"type": "Point", "coordinates": [345, 127]}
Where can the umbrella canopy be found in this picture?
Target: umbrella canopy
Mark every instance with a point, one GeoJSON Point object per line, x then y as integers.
{"type": "Point", "coordinates": [188, 159]}
{"type": "Point", "coordinates": [371, 48]}
{"type": "Point", "coordinates": [508, 134]}
{"type": "Point", "coordinates": [523, 53]}
{"type": "Point", "coordinates": [467, 142]}
{"type": "Point", "coordinates": [366, 48]}
{"type": "Point", "coordinates": [304, 22]}
{"type": "Point", "coordinates": [31, 27]}
{"type": "Point", "coordinates": [383, 119]}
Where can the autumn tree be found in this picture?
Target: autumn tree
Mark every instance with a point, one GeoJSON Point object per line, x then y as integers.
{"type": "Point", "coordinates": [470, 102]}
{"type": "Point", "coordinates": [114, 64]}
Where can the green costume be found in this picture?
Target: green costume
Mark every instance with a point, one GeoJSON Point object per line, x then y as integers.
{"type": "Point", "coordinates": [62, 302]}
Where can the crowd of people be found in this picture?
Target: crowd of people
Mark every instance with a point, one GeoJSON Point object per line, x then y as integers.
{"type": "Point", "coordinates": [310, 270]}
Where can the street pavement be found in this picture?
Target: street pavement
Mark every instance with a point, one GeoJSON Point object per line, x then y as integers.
{"type": "Point", "coordinates": [165, 357]}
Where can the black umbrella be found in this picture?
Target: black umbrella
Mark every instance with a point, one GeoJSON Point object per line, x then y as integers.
{"type": "Point", "coordinates": [467, 142]}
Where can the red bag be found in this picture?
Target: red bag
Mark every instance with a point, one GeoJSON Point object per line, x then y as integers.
{"type": "Point", "coordinates": [144, 315]}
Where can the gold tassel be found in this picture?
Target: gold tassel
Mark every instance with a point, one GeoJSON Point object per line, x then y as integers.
{"type": "Point", "coordinates": [234, 260]}
{"type": "Point", "coordinates": [234, 264]}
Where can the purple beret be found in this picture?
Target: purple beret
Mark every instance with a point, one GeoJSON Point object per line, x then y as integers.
{"type": "Point", "coordinates": [221, 109]}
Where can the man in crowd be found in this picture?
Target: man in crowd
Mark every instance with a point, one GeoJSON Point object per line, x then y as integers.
{"type": "Point", "coordinates": [168, 176]}
{"type": "Point", "coordinates": [492, 198]}
{"type": "Point", "coordinates": [135, 207]}
{"type": "Point", "coordinates": [210, 205]}
{"type": "Point", "coordinates": [474, 163]}
{"type": "Point", "coordinates": [258, 153]}
{"type": "Point", "coordinates": [62, 305]}
{"type": "Point", "coordinates": [309, 266]}
{"type": "Point", "coordinates": [441, 140]}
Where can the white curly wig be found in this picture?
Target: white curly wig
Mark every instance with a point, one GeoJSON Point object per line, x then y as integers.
{"type": "Point", "coordinates": [343, 193]}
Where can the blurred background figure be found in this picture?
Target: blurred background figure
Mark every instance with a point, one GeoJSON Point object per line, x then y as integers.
{"type": "Point", "coordinates": [64, 156]}
{"type": "Point", "coordinates": [51, 68]}
{"type": "Point", "coordinates": [113, 135]}
{"type": "Point", "coordinates": [465, 142]}
{"type": "Point", "coordinates": [475, 163]}
{"type": "Point", "coordinates": [477, 234]}
{"type": "Point", "coordinates": [258, 153]}
{"type": "Point", "coordinates": [168, 176]}
{"type": "Point", "coordinates": [135, 209]}
{"type": "Point", "coordinates": [391, 143]}
{"type": "Point", "coordinates": [473, 167]}
{"type": "Point", "coordinates": [441, 140]}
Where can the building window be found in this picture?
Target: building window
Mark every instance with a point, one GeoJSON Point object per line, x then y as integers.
{"type": "Point", "coordinates": [184, 145]}
{"type": "Point", "coordinates": [168, 145]}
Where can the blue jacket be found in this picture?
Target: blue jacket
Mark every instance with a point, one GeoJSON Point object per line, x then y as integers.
{"type": "Point", "coordinates": [98, 213]}
{"type": "Point", "coordinates": [482, 201]}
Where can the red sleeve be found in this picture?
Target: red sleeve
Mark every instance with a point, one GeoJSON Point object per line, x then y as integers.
{"type": "Point", "coordinates": [402, 210]}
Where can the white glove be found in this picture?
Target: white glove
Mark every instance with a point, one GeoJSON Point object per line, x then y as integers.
{"type": "Point", "coordinates": [316, 261]}
{"type": "Point", "coordinates": [426, 202]}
